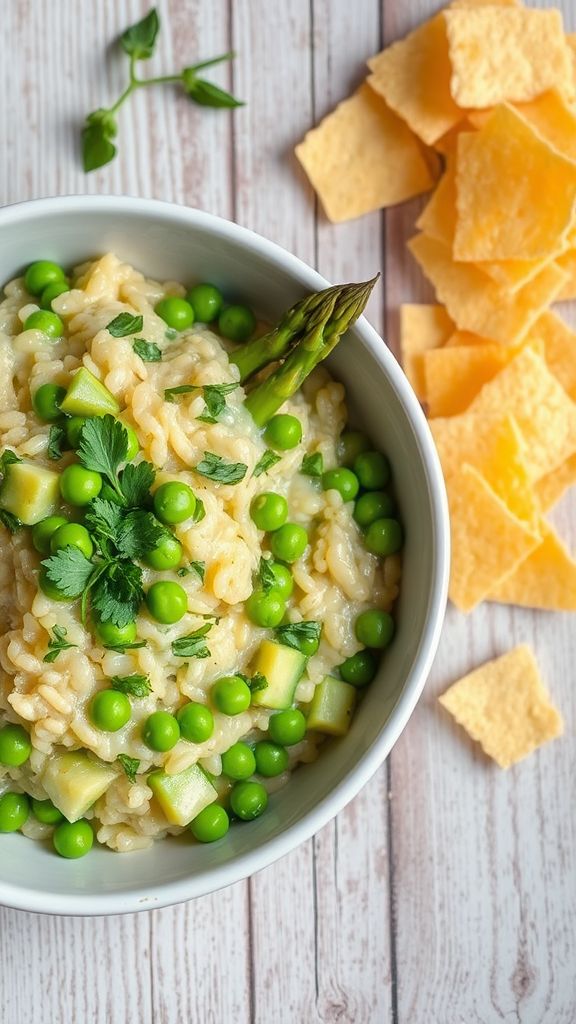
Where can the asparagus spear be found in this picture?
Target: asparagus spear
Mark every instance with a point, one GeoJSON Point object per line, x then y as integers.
{"type": "Point", "coordinates": [317, 341]}
{"type": "Point", "coordinates": [305, 315]}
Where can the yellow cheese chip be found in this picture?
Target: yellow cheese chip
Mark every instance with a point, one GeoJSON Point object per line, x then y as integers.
{"type": "Point", "coordinates": [476, 303]}
{"type": "Point", "coordinates": [545, 414]}
{"type": "Point", "coordinates": [413, 76]}
{"type": "Point", "coordinates": [504, 53]}
{"type": "Point", "coordinates": [487, 540]}
{"type": "Point", "coordinates": [460, 338]}
{"type": "Point", "coordinates": [505, 707]}
{"type": "Point", "coordinates": [438, 218]}
{"type": "Point", "coordinates": [453, 376]}
{"type": "Point", "coordinates": [514, 274]}
{"type": "Point", "coordinates": [362, 157]}
{"type": "Point", "coordinates": [567, 263]}
{"type": "Point", "coordinates": [559, 349]}
{"type": "Point", "coordinates": [550, 115]}
{"type": "Point", "coordinates": [515, 192]}
{"type": "Point", "coordinates": [546, 579]}
{"type": "Point", "coordinates": [457, 5]}
{"type": "Point", "coordinates": [550, 488]}
{"type": "Point", "coordinates": [421, 327]}
{"type": "Point", "coordinates": [446, 144]}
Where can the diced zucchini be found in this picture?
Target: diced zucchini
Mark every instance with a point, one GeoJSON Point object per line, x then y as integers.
{"type": "Point", "coordinates": [332, 706]}
{"type": "Point", "coordinates": [184, 795]}
{"type": "Point", "coordinates": [29, 492]}
{"type": "Point", "coordinates": [282, 666]}
{"type": "Point", "coordinates": [73, 782]}
{"type": "Point", "coordinates": [87, 396]}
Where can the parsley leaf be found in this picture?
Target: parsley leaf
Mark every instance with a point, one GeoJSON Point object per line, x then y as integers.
{"type": "Point", "coordinates": [193, 645]}
{"type": "Point", "coordinates": [199, 511]}
{"type": "Point", "coordinates": [139, 40]}
{"type": "Point", "coordinates": [147, 350]}
{"type": "Point", "coordinates": [215, 399]}
{"type": "Point", "coordinates": [103, 447]}
{"type": "Point", "coordinates": [134, 686]}
{"type": "Point", "coordinates": [214, 467]}
{"type": "Point", "coordinates": [135, 483]}
{"type": "Point", "coordinates": [257, 682]}
{"type": "Point", "coordinates": [125, 324]}
{"type": "Point", "coordinates": [293, 633]}
{"type": "Point", "coordinates": [312, 465]}
{"type": "Point", "coordinates": [8, 458]}
{"type": "Point", "coordinates": [97, 146]}
{"type": "Point", "coordinates": [11, 522]}
{"type": "Point", "coordinates": [266, 577]}
{"type": "Point", "coordinates": [265, 462]}
{"type": "Point", "coordinates": [56, 644]}
{"type": "Point", "coordinates": [198, 567]}
{"type": "Point", "coordinates": [55, 439]}
{"type": "Point", "coordinates": [205, 93]}
{"type": "Point", "coordinates": [70, 570]}
{"type": "Point", "coordinates": [120, 648]}
{"type": "Point", "coordinates": [130, 765]}
{"type": "Point", "coordinates": [104, 519]}
{"type": "Point", "coordinates": [140, 532]}
{"type": "Point", "coordinates": [117, 593]}
{"type": "Point", "coordinates": [171, 394]}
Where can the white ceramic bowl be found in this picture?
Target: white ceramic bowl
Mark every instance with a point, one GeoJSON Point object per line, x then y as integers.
{"type": "Point", "coordinates": [167, 241]}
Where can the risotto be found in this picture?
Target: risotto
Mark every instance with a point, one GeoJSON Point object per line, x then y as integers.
{"type": "Point", "coordinates": [193, 591]}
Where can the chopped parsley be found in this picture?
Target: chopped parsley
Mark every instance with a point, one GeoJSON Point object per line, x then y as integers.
{"type": "Point", "coordinates": [193, 645]}
{"type": "Point", "coordinates": [130, 765]}
{"type": "Point", "coordinates": [265, 462]}
{"type": "Point", "coordinates": [125, 324]}
{"type": "Point", "coordinates": [312, 465]}
{"type": "Point", "coordinates": [56, 644]}
{"type": "Point", "coordinates": [103, 448]}
{"type": "Point", "coordinates": [120, 648]}
{"type": "Point", "coordinates": [147, 350]}
{"type": "Point", "coordinates": [171, 394]}
{"type": "Point", "coordinates": [266, 577]}
{"type": "Point", "coordinates": [199, 511]}
{"type": "Point", "coordinates": [293, 633]}
{"type": "Point", "coordinates": [214, 397]}
{"type": "Point", "coordinates": [198, 567]}
{"type": "Point", "coordinates": [55, 438]}
{"type": "Point", "coordinates": [10, 521]}
{"type": "Point", "coordinates": [216, 468]}
{"type": "Point", "coordinates": [134, 686]}
{"type": "Point", "coordinates": [8, 458]}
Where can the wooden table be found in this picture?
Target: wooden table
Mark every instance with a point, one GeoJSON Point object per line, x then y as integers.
{"type": "Point", "coordinates": [446, 892]}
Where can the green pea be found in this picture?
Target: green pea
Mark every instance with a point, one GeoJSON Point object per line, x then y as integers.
{"type": "Point", "coordinates": [271, 759]}
{"type": "Point", "coordinates": [115, 636]}
{"type": "Point", "coordinates": [51, 292]}
{"type": "Point", "coordinates": [374, 628]}
{"type": "Point", "coordinates": [384, 537]}
{"type": "Point", "coordinates": [289, 542]}
{"type": "Point", "coordinates": [350, 445]}
{"type": "Point", "coordinates": [41, 274]}
{"type": "Point", "coordinates": [269, 511]}
{"type": "Point", "coordinates": [308, 645]}
{"type": "Point", "coordinates": [46, 812]}
{"type": "Point", "coordinates": [372, 470]}
{"type": "Point", "coordinates": [211, 824]}
{"type": "Point", "coordinates": [237, 323]}
{"type": "Point", "coordinates": [231, 695]}
{"type": "Point", "coordinates": [110, 710]}
{"type": "Point", "coordinates": [175, 312]}
{"type": "Point", "coordinates": [49, 588]}
{"type": "Point", "coordinates": [174, 502]}
{"type": "Point", "coordinates": [206, 301]}
{"type": "Point", "coordinates": [196, 722]}
{"type": "Point", "coordinates": [133, 443]}
{"type": "Point", "coordinates": [167, 602]}
{"type": "Point", "coordinates": [49, 323]}
{"type": "Point", "coordinates": [265, 609]}
{"type": "Point", "coordinates": [43, 532]}
{"type": "Point", "coordinates": [14, 811]}
{"type": "Point", "coordinates": [72, 535]}
{"type": "Point", "coordinates": [359, 669]}
{"type": "Point", "coordinates": [239, 762]}
{"type": "Point", "coordinates": [287, 727]}
{"type": "Point", "coordinates": [371, 506]}
{"type": "Point", "coordinates": [46, 401]}
{"type": "Point", "coordinates": [342, 480]}
{"type": "Point", "coordinates": [78, 485]}
{"type": "Point", "coordinates": [283, 432]}
{"type": "Point", "coordinates": [248, 800]}
{"type": "Point", "coordinates": [283, 580]}
{"type": "Point", "coordinates": [73, 839]}
{"type": "Point", "coordinates": [15, 745]}
{"type": "Point", "coordinates": [73, 427]}
{"type": "Point", "coordinates": [166, 555]}
{"type": "Point", "coordinates": [161, 731]}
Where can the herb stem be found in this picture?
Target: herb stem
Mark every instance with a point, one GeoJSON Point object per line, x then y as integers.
{"type": "Point", "coordinates": [215, 60]}
{"type": "Point", "coordinates": [123, 97]}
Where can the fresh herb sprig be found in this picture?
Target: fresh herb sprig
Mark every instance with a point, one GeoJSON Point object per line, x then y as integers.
{"type": "Point", "coordinates": [56, 644]}
{"type": "Point", "coordinates": [130, 766]}
{"type": "Point", "coordinates": [139, 42]}
{"type": "Point", "coordinates": [265, 462]}
{"type": "Point", "coordinates": [193, 645]}
{"type": "Point", "coordinates": [293, 633]}
{"type": "Point", "coordinates": [215, 467]}
{"type": "Point", "coordinates": [135, 685]}
{"type": "Point", "coordinates": [214, 398]}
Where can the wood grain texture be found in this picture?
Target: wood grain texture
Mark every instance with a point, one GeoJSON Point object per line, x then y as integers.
{"type": "Point", "coordinates": [446, 892]}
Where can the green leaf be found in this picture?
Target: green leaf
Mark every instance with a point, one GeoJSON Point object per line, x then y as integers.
{"type": "Point", "coordinates": [139, 40]}
{"type": "Point", "coordinates": [130, 765]}
{"type": "Point", "coordinates": [133, 686]}
{"type": "Point", "coordinates": [193, 645]}
{"type": "Point", "coordinates": [103, 446]}
{"type": "Point", "coordinates": [199, 511]}
{"type": "Point", "coordinates": [104, 519]}
{"type": "Point", "coordinates": [125, 324]}
{"type": "Point", "coordinates": [198, 567]}
{"type": "Point", "coordinates": [139, 533]}
{"type": "Point", "coordinates": [10, 521]}
{"type": "Point", "coordinates": [266, 577]}
{"type": "Point", "coordinates": [97, 146]}
{"type": "Point", "coordinates": [312, 465]}
{"type": "Point", "coordinates": [257, 682]}
{"type": "Point", "coordinates": [147, 350]}
{"type": "Point", "coordinates": [56, 644]}
{"type": "Point", "coordinates": [265, 462]}
{"type": "Point", "coordinates": [135, 483]}
{"type": "Point", "coordinates": [8, 458]}
{"type": "Point", "coordinates": [215, 399]}
{"type": "Point", "coordinates": [205, 93]}
{"type": "Point", "coordinates": [55, 438]}
{"type": "Point", "coordinates": [214, 467]}
{"type": "Point", "coordinates": [171, 394]}
{"type": "Point", "coordinates": [70, 570]}
{"type": "Point", "coordinates": [120, 648]}
{"type": "Point", "coordinates": [118, 592]}
{"type": "Point", "coordinates": [293, 633]}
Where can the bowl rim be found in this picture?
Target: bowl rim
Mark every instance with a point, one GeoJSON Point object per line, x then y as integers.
{"type": "Point", "coordinates": [190, 887]}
